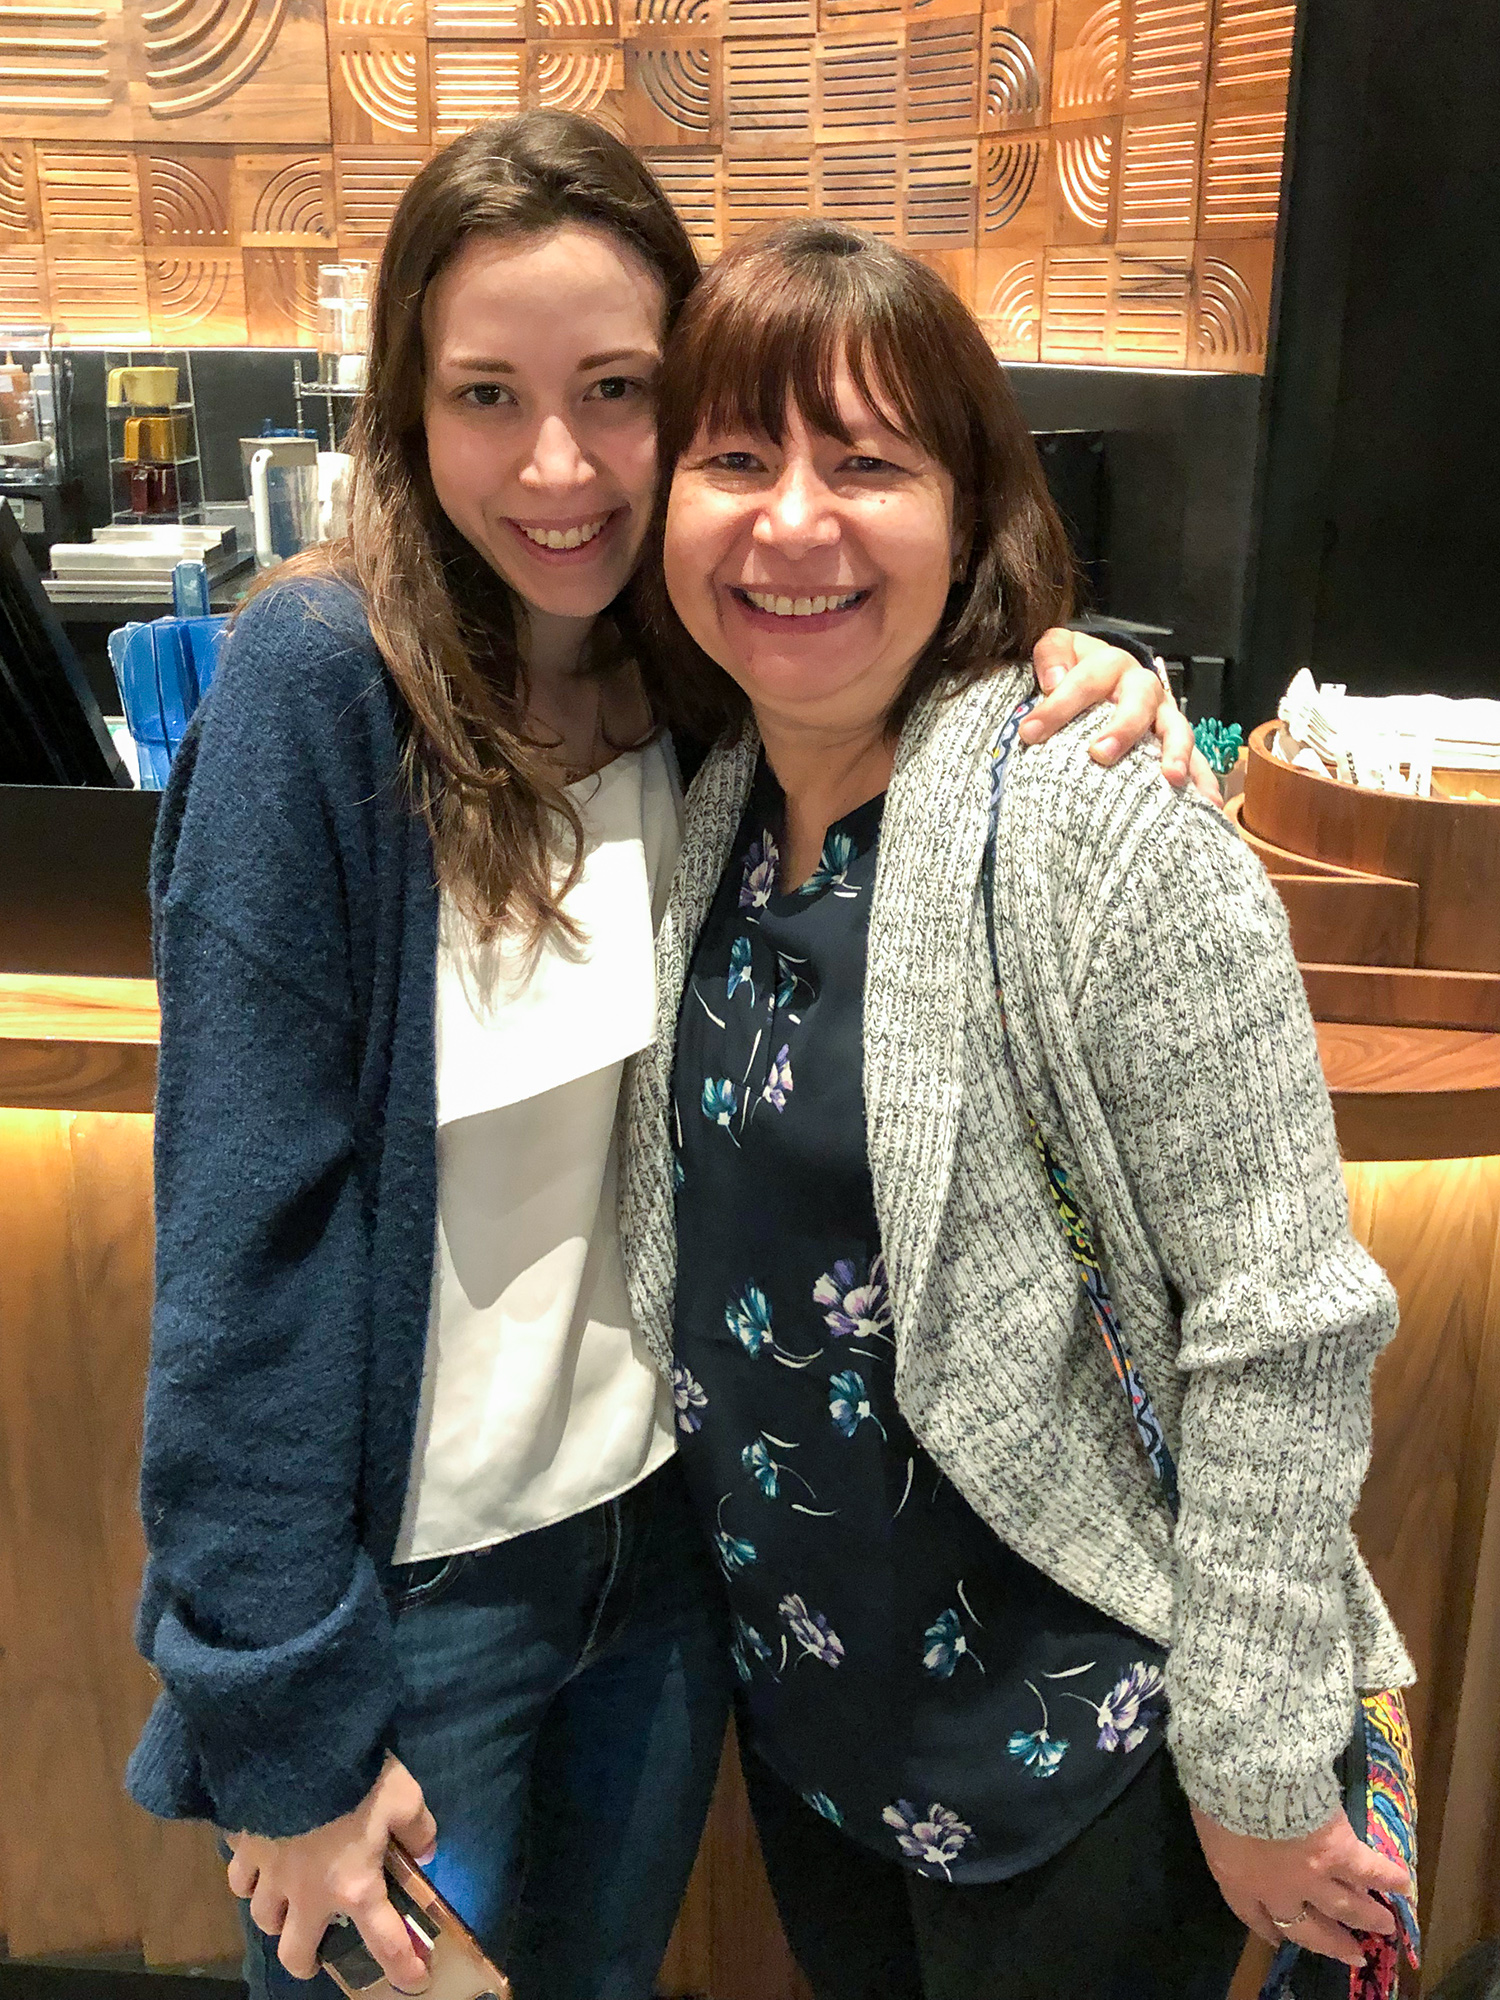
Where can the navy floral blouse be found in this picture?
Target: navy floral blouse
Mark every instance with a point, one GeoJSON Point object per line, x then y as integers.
{"type": "Point", "coordinates": [919, 1684]}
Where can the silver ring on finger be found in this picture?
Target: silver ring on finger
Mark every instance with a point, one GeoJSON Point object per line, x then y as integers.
{"type": "Point", "coordinates": [1289, 1923]}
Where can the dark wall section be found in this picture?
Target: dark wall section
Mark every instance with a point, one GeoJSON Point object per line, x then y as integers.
{"type": "Point", "coordinates": [1375, 552]}
{"type": "Point", "coordinates": [1180, 471]}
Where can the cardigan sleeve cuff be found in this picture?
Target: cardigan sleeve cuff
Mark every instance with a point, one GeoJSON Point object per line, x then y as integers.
{"type": "Point", "coordinates": [1268, 1805]}
{"type": "Point", "coordinates": [273, 1740]}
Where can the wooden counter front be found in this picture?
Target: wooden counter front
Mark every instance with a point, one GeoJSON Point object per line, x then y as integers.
{"type": "Point", "coordinates": [83, 1872]}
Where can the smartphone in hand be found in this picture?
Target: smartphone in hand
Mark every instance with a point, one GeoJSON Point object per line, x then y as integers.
{"type": "Point", "coordinates": [456, 1967]}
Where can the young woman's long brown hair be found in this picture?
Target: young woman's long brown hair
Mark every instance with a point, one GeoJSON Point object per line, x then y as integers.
{"type": "Point", "coordinates": [445, 623]}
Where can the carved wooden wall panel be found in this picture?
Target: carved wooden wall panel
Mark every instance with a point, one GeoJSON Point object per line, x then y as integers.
{"type": "Point", "coordinates": [1100, 178]}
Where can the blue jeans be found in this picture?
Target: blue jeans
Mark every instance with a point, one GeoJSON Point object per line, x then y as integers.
{"type": "Point", "coordinates": [565, 1706]}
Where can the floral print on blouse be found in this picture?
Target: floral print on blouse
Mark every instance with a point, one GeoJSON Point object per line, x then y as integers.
{"type": "Point", "coordinates": [919, 1685]}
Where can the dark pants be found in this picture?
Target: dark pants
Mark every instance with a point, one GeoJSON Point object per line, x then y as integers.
{"type": "Point", "coordinates": [1128, 1911]}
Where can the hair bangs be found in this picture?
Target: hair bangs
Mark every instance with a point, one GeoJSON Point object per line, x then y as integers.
{"type": "Point", "coordinates": [780, 346]}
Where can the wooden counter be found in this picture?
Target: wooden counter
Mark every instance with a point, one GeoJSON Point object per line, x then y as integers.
{"type": "Point", "coordinates": [82, 1871]}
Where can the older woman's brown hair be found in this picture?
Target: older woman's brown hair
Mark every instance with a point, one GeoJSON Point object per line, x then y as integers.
{"type": "Point", "coordinates": [768, 329]}
{"type": "Point", "coordinates": [444, 622]}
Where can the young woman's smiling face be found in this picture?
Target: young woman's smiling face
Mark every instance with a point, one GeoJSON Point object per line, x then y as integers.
{"type": "Point", "coordinates": [539, 409]}
{"type": "Point", "coordinates": [813, 571]}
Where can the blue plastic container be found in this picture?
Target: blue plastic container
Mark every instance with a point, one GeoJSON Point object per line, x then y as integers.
{"type": "Point", "coordinates": [163, 670]}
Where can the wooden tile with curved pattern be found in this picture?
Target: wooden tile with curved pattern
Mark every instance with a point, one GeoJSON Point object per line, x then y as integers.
{"type": "Point", "coordinates": [197, 301]}
{"type": "Point", "coordinates": [233, 71]}
{"type": "Point", "coordinates": [1014, 180]}
{"type": "Point", "coordinates": [1088, 58]}
{"type": "Point", "coordinates": [1015, 80]}
{"type": "Point", "coordinates": [20, 205]}
{"type": "Point", "coordinates": [379, 87]}
{"type": "Point", "coordinates": [187, 196]}
{"type": "Point", "coordinates": [281, 296]}
{"type": "Point", "coordinates": [285, 199]}
{"type": "Point", "coordinates": [673, 91]}
{"type": "Point", "coordinates": [369, 182]}
{"type": "Point", "coordinates": [1008, 301]}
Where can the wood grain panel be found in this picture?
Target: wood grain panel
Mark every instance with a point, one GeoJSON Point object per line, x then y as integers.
{"type": "Point", "coordinates": [1088, 58]}
{"type": "Point", "coordinates": [291, 126]}
{"type": "Point", "coordinates": [940, 196]}
{"type": "Point", "coordinates": [65, 1886]}
{"type": "Point", "coordinates": [1014, 189]}
{"type": "Point", "coordinates": [674, 91]}
{"type": "Point", "coordinates": [471, 20]}
{"type": "Point", "coordinates": [281, 296]}
{"type": "Point", "coordinates": [1350, 921]}
{"type": "Point", "coordinates": [694, 185]}
{"type": "Point", "coordinates": [942, 78]}
{"type": "Point", "coordinates": [1075, 305]}
{"type": "Point", "coordinates": [1282, 861]}
{"type": "Point", "coordinates": [765, 188]}
{"type": "Point", "coordinates": [1008, 302]}
{"type": "Point", "coordinates": [1412, 1093]}
{"type": "Point", "coordinates": [1232, 318]}
{"type": "Point", "coordinates": [1243, 148]}
{"type": "Point", "coordinates": [20, 204]}
{"type": "Point", "coordinates": [768, 98]}
{"type": "Point", "coordinates": [859, 86]}
{"type": "Point", "coordinates": [472, 81]}
{"type": "Point", "coordinates": [285, 199]}
{"type": "Point", "coordinates": [187, 197]}
{"type": "Point", "coordinates": [1151, 305]}
{"type": "Point", "coordinates": [197, 301]}
{"type": "Point", "coordinates": [24, 291]}
{"type": "Point", "coordinates": [244, 72]}
{"type": "Point", "coordinates": [63, 70]}
{"type": "Point", "coordinates": [1159, 158]}
{"type": "Point", "coordinates": [1085, 182]}
{"type": "Point", "coordinates": [95, 297]}
{"type": "Point", "coordinates": [1166, 58]}
{"type": "Point", "coordinates": [1450, 848]}
{"type": "Point", "coordinates": [1403, 997]}
{"type": "Point", "coordinates": [76, 1076]}
{"type": "Point", "coordinates": [370, 182]}
{"type": "Point", "coordinates": [379, 88]}
{"type": "Point", "coordinates": [1016, 65]}
{"type": "Point", "coordinates": [861, 185]}
{"type": "Point", "coordinates": [90, 199]}
{"type": "Point", "coordinates": [1252, 48]}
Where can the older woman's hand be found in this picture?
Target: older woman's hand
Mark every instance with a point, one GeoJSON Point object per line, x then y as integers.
{"type": "Point", "coordinates": [1318, 1891]}
{"type": "Point", "coordinates": [1076, 671]}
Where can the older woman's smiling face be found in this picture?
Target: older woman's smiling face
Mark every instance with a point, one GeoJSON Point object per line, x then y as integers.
{"type": "Point", "coordinates": [814, 571]}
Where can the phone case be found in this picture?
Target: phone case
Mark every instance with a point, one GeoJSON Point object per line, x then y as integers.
{"type": "Point", "coordinates": [457, 1969]}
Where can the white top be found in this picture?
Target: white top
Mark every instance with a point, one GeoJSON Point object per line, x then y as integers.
{"type": "Point", "coordinates": [538, 1397]}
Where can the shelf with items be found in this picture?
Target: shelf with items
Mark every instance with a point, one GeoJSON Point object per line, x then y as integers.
{"type": "Point", "coordinates": [324, 407]}
{"type": "Point", "coordinates": [151, 420]}
{"type": "Point", "coordinates": [38, 482]}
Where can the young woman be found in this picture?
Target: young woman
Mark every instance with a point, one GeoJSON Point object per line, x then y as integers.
{"type": "Point", "coordinates": [962, 1615]}
{"type": "Point", "coordinates": [420, 1562]}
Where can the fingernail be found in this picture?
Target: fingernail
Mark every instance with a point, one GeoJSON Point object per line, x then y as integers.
{"type": "Point", "coordinates": [426, 1858]}
{"type": "Point", "coordinates": [1107, 746]}
{"type": "Point", "coordinates": [1030, 729]}
{"type": "Point", "coordinates": [1047, 678]}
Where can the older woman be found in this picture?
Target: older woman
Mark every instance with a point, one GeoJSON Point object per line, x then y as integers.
{"type": "Point", "coordinates": [1006, 1726]}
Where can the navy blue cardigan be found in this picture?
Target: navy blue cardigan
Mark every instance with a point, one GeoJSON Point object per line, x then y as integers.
{"type": "Point", "coordinates": [295, 914]}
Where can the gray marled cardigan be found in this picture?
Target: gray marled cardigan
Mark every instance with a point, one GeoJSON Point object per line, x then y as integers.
{"type": "Point", "coordinates": [1165, 1048]}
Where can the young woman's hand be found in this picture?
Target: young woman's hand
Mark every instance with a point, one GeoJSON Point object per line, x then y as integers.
{"type": "Point", "coordinates": [1075, 671]}
{"type": "Point", "coordinates": [296, 1887]}
{"type": "Point", "coordinates": [1318, 1891]}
